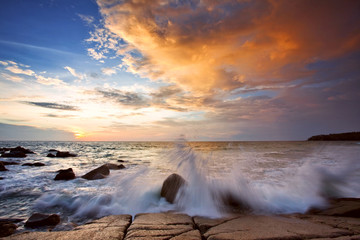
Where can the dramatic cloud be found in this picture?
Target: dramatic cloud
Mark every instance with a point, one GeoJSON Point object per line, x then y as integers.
{"type": "Point", "coordinates": [54, 106]}
{"type": "Point", "coordinates": [209, 45]}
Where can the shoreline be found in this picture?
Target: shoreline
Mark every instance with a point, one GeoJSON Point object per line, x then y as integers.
{"type": "Point", "coordinates": [341, 220]}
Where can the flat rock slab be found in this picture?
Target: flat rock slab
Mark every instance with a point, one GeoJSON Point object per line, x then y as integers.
{"type": "Point", "coordinates": [111, 227]}
{"type": "Point", "coordinates": [272, 227]}
{"type": "Point", "coordinates": [162, 226]}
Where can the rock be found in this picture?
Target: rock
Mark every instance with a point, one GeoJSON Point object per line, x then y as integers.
{"type": "Point", "coordinates": [41, 220]}
{"type": "Point", "coordinates": [112, 166]}
{"type": "Point", "coordinates": [21, 149]}
{"type": "Point", "coordinates": [162, 226]}
{"type": "Point", "coordinates": [345, 207]}
{"type": "Point", "coordinates": [271, 227]}
{"type": "Point", "coordinates": [7, 228]}
{"type": "Point", "coordinates": [37, 164]}
{"type": "Point", "coordinates": [13, 154]}
{"type": "Point", "coordinates": [98, 173]}
{"type": "Point", "coordinates": [1, 178]}
{"type": "Point", "coordinates": [111, 227]}
{"type": "Point", "coordinates": [230, 202]}
{"type": "Point", "coordinates": [171, 187]}
{"type": "Point", "coordinates": [50, 155]}
{"type": "Point", "coordinates": [65, 154]}
{"type": "Point", "coordinates": [53, 150]}
{"type": "Point", "coordinates": [65, 174]}
{"type": "Point", "coordinates": [2, 167]}
{"type": "Point", "coordinates": [121, 161]}
{"type": "Point", "coordinates": [9, 163]}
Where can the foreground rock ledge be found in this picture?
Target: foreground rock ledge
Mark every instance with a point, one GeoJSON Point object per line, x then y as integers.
{"type": "Point", "coordinates": [181, 226]}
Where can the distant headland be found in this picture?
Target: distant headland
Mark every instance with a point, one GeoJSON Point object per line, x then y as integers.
{"type": "Point", "coordinates": [349, 136]}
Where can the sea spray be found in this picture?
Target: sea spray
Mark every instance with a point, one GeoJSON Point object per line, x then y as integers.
{"type": "Point", "coordinates": [264, 177]}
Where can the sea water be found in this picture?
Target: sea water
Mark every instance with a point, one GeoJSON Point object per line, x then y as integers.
{"type": "Point", "coordinates": [270, 177]}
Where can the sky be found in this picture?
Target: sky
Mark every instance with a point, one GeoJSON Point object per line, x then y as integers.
{"type": "Point", "coordinates": [154, 70]}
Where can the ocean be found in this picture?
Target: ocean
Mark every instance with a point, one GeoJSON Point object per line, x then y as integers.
{"type": "Point", "coordinates": [270, 177]}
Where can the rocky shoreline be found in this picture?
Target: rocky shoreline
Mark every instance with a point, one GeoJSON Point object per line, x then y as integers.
{"type": "Point", "coordinates": [340, 221]}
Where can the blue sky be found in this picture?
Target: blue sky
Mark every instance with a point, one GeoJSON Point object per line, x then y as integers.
{"type": "Point", "coordinates": [154, 70]}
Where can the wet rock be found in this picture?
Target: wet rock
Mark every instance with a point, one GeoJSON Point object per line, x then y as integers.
{"type": "Point", "coordinates": [345, 207]}
{"type": "Point", "coordinates": [2, 167]}
{"type": "Point", "coordinates": [1, 178]}
{"type": "Point", "coordinates": [7, 228]}
{"type": "Point", "coordinates": [37, 164]}
{"type": "Point", "coordinates": [171, 187]}
{"type": "Point", "coordinates": [65, 174]}
{"type": "Point", "coordinates": [112, 166]}
{"type": "Point", "coordinates": [53, 150]}
{"type": "Point", "coordinates": [50, 155]}
{"type": "Point", "coordinates": [9, 163]}
{"type": "Point", "coordinates": [231, 202]}
{"type": "Point", "coordinates": [13, 154]}
{"type": "Point", "coordinates": [121, 161]}
{"type": "Point", "coordinates": [162, 226]}
{"type": "Point", "coordinates": [38, 220]}
{"type": "Point", "coordinates": [65, 154]}
{"type": "Point", "coordinates": [21, 149]}
{"type": "Point", "coordinates": [98, 173]}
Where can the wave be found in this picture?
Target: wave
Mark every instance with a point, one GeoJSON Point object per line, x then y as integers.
{"type": "Point", "coordinates": [205, 194]}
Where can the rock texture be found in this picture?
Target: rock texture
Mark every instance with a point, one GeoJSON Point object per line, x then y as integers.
{"type": "Point", "coordinates": [320, 226]}
{"type": "Point", "coordinates": [38, 220]}
{"type": "Point", "coordinates": [109, 228]}
{"type": "Point", "coordinates": [162, 226]}
{"type": "Point", "coordinates": [171, 187]}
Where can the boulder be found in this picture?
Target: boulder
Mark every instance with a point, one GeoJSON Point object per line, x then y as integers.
{"type": "Point", "coordinates": [21, 149]}
{"type": "Point", "coordinates": [65, 174]}
{"type": "Point", "coordinates": [171, 187]}
{"type": "Point", "coordinates": [13, 154]}
{"type": "Point", "coordinates": [112, 166]}
{"type": "Point", "coordinates": [38, 220]}
{"type": "Point", "coordinates": [37, 164]}
{"type": "Point", "coordinates": [2, 167]}
{"type": "Point", "coordinates": [7, 228]}
{"type": "Point", "coordinates": [231, 202]}
{"type": "Point", "coordinates": [65, 154]}
{"type": "Point", "coordinates": [98, 173]}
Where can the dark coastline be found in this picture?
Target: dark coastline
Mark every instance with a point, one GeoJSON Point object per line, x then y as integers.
{"type": "Point", "coordinates": [348, 136]}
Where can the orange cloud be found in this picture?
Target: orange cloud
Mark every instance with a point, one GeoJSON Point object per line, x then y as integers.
{"type": "Point", "coordinates": [208, 45]}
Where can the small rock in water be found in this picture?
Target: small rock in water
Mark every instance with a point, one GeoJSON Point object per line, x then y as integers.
{"type": "Point", "coordinates": [2, 167]}
{"type": "Point", "coordinates": [50, 155]}
{"type": "Point", "coordinates": [115, 166]}
{"type": "Point", "coordinates": [65, 154]}
{"type": "Point", "coordinates": [65, 174]}
{"type": "Point", "coordinates": [37, 164]}
{"type": "Point", "coordinates": [171, 187]}
{"type": "Point", "coordinates": [98, 173]}
{"type": "Point", "coordinates": [7, 228]}
{"type": "Point", "coordinates": [13, 154]}
{"type": "Point", "coordinates": [41, 220]}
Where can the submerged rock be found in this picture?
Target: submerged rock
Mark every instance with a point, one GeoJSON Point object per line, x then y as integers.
{"type": "Point", "coordinates": [13, 154]}
{"type": "Point", "coordinates": [171, 187]}
{"type": "Point", "coordinates": [98, 173]}
{"type": "Point", "coordinates": [41, 220]}
{"type": "Point", "coordinates": [65, 154]}
{"type": "Point", "coordinates": [2, 167]}
{"type": "Point", "coordinates": [65, 174]}
{"type": "Point", "coordinates": [37, 164]}
{"type": "Point", "coordinates": [50, 155]}
{"type": "Point", "coordinates": [112, 166]}
{"type": "Point", "coordinates": [7, 228]}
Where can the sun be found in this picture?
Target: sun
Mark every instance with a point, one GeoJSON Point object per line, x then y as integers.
{"type": "Point", "coordinates": [78, 134]}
